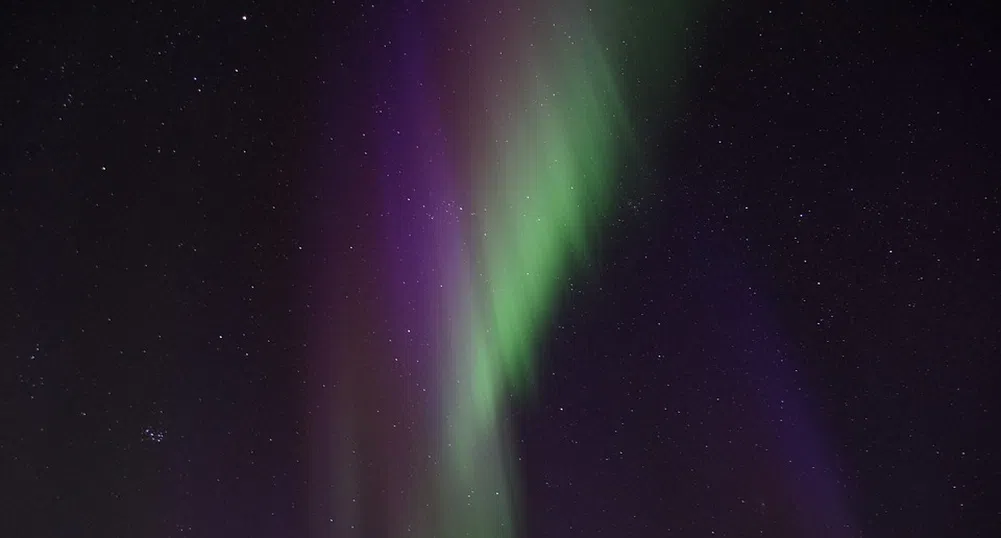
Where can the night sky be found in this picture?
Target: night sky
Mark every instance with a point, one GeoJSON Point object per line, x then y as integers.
{"type": "Point", "coordinates": [237, 238]}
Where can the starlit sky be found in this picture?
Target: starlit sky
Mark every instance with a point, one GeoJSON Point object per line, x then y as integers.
{"type": "Point", "coordinates": [499, 269]}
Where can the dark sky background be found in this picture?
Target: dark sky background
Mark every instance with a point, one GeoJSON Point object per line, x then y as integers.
{"type": "Point", "coordinates": [797, 320]}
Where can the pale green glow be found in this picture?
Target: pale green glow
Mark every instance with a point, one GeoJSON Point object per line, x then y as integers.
{"type": "Point", "coordinates": [541, 189]}
{"type": "Point", "coordinates": [542, 200]}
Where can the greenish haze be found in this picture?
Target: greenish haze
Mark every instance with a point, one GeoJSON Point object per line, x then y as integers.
{"type": "Point", "coordinates": [542, 201]}
{"type": "Point", "coordinates": [541, 198]}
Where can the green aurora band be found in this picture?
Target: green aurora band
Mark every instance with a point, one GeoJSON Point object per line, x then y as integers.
{"type": "Point", "coordinates": [541, 198]}
{"type": "Point", "coordinates": [540, 186]}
